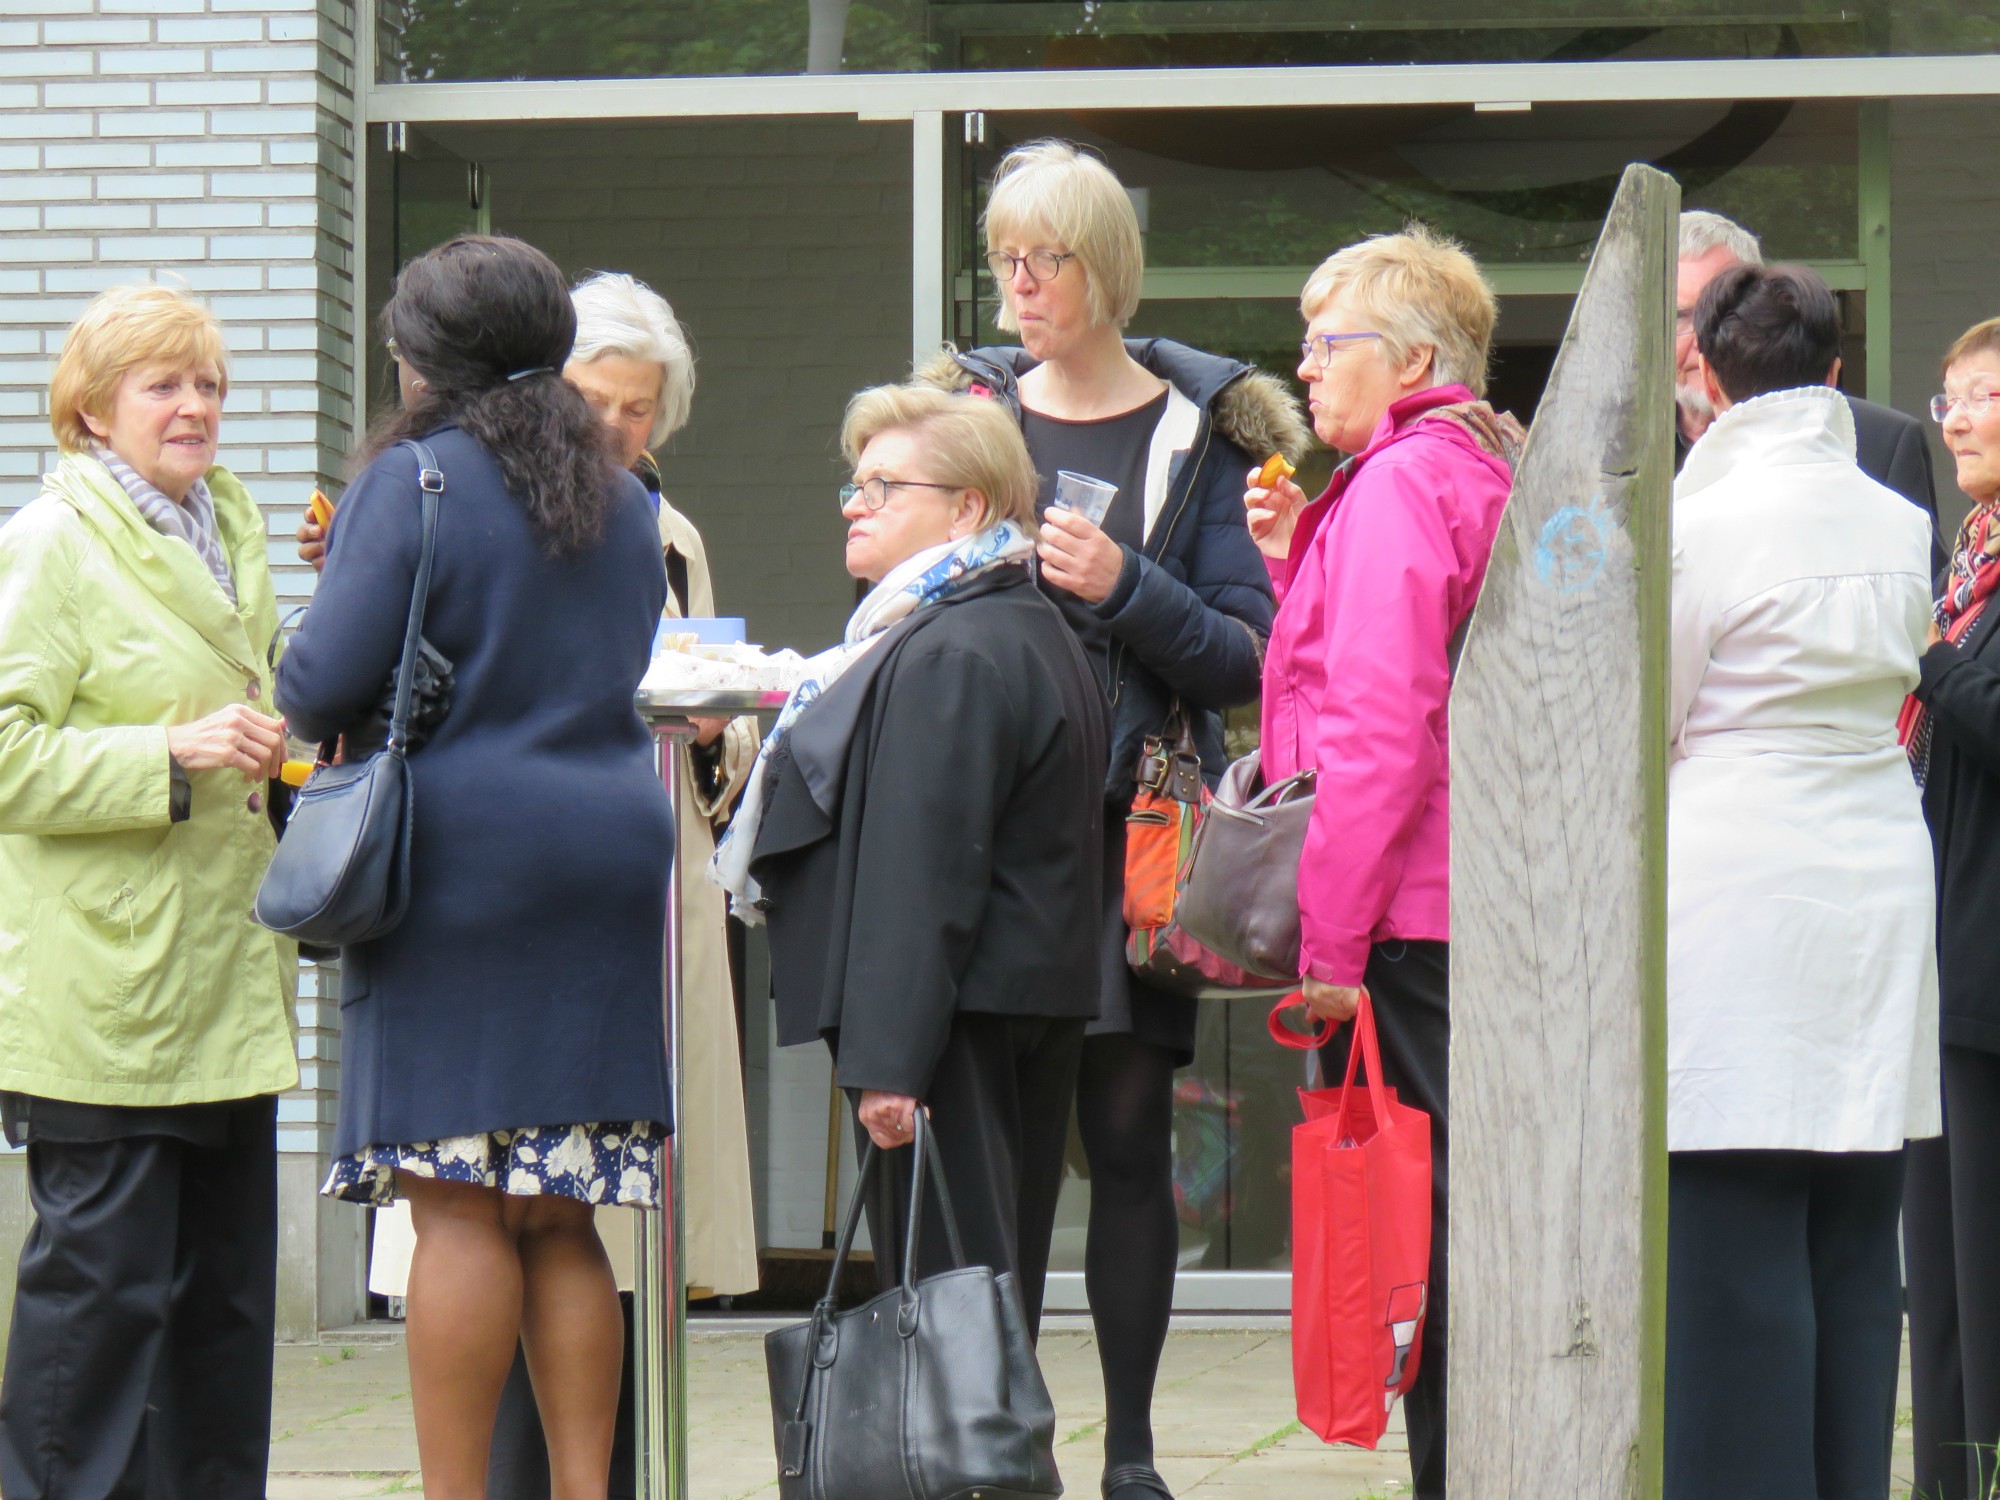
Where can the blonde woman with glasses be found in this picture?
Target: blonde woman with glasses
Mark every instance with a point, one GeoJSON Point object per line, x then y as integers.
{"type": "Point", "coordinates": [1375, 579]}
{"type": "Point", "coordinates": [1170, 601]}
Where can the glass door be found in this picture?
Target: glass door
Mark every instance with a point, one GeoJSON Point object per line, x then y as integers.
{"type": "Point", "coordinates": [1237, 206]}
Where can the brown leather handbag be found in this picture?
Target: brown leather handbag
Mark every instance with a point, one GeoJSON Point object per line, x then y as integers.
{"type": "Point", "coordinates": [1239, 891]}
{"type": "Point", "coordinates": [1160, 831]}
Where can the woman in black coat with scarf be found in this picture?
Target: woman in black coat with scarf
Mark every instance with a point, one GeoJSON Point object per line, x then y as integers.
{"type": "Point", "coordinates": [1172, 602]}
{"type": "Point", "coordinates": [504, 1048]}
{"type": "Point", "coordinates": [920, 831]}
{"type": "Point", "coordinates": [1951, 1204]}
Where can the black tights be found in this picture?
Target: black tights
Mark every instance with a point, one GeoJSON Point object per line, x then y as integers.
{"type": "Point", "coordinates": [1125, 1111]}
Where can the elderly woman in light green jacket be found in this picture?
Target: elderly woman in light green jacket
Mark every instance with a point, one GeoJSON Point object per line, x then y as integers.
{"type": "Point", "coordinates": [145, 1019]}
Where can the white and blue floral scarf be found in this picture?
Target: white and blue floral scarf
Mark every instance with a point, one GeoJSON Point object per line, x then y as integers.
{"type": "Point", "coordinates": [932, 575]}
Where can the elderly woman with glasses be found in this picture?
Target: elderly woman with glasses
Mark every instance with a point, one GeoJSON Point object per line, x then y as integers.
{"type": "Point", "coordinates": [145, 1019]}
{"type": "Point", "coordinates": [1167, 596]}
{"type": "Point", "coordinates": [1376, 580]}
{"type": "Point", "coordinates": [1952, 1210]}
{"type": "Point", "coordinates": [921, 831]}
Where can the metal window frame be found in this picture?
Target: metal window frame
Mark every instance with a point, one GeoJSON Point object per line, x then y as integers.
{"type": "Point", "coordinates": [903, 96]}
{"type": "Point", "coordinates": [927, 100]}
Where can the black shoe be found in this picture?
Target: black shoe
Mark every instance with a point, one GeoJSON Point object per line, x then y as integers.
{"type": "Point", "coordinates": [1129, 1474]}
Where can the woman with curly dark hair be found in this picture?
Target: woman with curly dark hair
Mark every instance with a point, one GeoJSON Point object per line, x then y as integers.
{"type": "Point", "coordinates": [504, 1052]}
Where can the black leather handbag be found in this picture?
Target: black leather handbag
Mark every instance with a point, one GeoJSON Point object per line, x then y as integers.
{"type": "Point", "coordinates": [341, 873]}
{"type": "Point", "coordinates": [927, 1392]}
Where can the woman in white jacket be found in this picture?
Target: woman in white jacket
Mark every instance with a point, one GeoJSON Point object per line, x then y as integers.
{"type": "Point", "coordinates": [1801, 969]}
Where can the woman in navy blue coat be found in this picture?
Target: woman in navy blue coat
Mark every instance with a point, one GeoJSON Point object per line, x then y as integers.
{"type": "Point", "coordinates": [503, 1048]}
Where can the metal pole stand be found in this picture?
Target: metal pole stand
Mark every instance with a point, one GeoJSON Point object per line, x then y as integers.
{"type": "Point", "coordinates": [659, 1297]}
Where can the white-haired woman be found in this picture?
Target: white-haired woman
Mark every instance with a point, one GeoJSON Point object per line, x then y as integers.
{"type": "Point", "coordinates": [1170, 601]}
{"type": "Point", "coordinates": [633, 364]}
{"type": "Point", "coordinates": [1375, 579]}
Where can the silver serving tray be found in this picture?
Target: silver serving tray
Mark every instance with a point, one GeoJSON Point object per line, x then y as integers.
{"type": "Point", "coordinates": [708, 703]}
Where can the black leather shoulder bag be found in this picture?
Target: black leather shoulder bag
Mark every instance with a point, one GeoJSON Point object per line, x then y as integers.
{"type": "Point", "coordinates": [341, 873]}
{"type": "Point", "coordinates": [929, 1391]}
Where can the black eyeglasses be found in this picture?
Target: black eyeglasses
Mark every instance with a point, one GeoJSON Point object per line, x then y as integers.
{"type": "Point", "coordinates": [1043, 265]}
{"type": "Point", "coordinates": [874, 493]}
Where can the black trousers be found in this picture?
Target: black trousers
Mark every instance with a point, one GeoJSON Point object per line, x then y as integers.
{"type": "Point", "coordinates": [1409, 984]}
{"type": "Point", "coordinates": [1784, 1323]}
{"type": "Point", "coordinates": [1951, 1236]}
{"type": "Point", "coordinates": [999, 1102]}
{"type": "Point", "coordinates": [139, 1366]}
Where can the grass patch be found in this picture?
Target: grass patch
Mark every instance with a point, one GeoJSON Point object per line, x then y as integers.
{"type": "Point", "coordinates": [1269, 1440]}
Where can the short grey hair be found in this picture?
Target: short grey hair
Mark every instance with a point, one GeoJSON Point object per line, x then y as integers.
{"type": "Point", "coordinates": [620, 314]}
{"type": "Point", "coordinates": [1702, 231]}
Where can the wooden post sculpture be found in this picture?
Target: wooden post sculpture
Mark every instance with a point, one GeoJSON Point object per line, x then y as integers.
{"type": "Point", "coordinates": [1558, 914]}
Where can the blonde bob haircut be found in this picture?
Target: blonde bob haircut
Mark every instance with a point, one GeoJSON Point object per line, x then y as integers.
{"type": "Point", "coordinates": [128, 328]}
{"type": "Point", "coordinates": [620, 314]}
{"type": "Point", "coordinates": [1052, 192]}
{"type": "Point", "coordinates": [1417, 289]}
{"type": "Point", "coordinates": [970, 441]}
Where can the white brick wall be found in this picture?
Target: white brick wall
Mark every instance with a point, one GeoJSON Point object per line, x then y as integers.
{"type": "Point", "coordinates": [1944, 270]}
{"type": "Point", "coordinates": [185, 140]}
{"type": "Point", "coordinates": [162, 139]}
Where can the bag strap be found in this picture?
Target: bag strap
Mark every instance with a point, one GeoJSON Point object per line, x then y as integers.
{"type": "Point", "coordinates": [430, 479]}
{"type": "Point", "coordinates": [1298, 1041]}
{"type": "Point", "coordinates": [1365, 1043]}
{"type": "Point", "coordinates": [930, 1161]}
{"type": "Point", "coordinates": [822, 1314]}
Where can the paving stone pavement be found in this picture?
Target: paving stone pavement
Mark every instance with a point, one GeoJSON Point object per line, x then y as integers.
{"type": "Point", "coordinates": [341, 1419]}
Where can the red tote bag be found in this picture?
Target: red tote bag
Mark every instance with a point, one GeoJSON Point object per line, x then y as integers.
{"type": "Point", "coordinates": [1361, 1243]}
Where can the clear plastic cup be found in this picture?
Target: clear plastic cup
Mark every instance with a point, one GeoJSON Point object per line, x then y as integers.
{"type": "Point", "coordinates": [1089, 498]}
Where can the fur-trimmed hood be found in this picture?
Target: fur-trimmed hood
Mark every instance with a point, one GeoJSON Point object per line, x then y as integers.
{"type": "Point", "coordinates": [1249, 407]}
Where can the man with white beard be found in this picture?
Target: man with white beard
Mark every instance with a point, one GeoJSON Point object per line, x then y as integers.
{"type": "Point", "coordinates": [1890, 447]}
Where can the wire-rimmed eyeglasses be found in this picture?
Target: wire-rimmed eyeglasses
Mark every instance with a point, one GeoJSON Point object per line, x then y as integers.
{"type": "Point", "coordinates": [1321, 347]}
{"type": "Point", "coordinates": [1974, 402]}
{"type": "Point", "coordinates": [1043, 265]}
{"type": "Point", "coordinates": [874, 493]}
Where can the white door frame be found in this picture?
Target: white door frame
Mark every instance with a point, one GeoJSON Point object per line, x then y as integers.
{"type": "Point", "coordinates": [926, 99]}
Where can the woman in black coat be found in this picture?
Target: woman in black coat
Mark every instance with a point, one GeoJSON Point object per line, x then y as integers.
{"type": "Point", "coordinates": [1172, 601]}
{"type": "Point", "coordinates": [921, 830]}
{"type": "Point", "coordinates": [1951, 1207]}
{"type": "Point", "coordinates": [504, 1046]}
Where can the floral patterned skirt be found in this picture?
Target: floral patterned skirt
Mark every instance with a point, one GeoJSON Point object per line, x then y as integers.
{"type": "Point", "coordinates": [617, 1162]}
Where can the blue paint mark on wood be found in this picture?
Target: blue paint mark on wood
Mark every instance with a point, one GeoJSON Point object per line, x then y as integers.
{"type": "Point", "coordinates": [1569, 554]}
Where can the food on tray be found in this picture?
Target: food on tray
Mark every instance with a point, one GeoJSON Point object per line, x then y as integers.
{"type": "Point", "coordinates": [682, 663]}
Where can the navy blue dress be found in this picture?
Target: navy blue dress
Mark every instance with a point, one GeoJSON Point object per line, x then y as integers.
{"type": "Point", "coordinates": [524, 987]}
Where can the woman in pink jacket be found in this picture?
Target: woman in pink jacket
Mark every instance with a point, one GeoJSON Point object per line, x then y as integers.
{"type": "Point", "coordinates": [1375, 581]}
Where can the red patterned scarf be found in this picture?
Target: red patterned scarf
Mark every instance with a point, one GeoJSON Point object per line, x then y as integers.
{"type": "Point", "coordinates": [1971, 580]}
